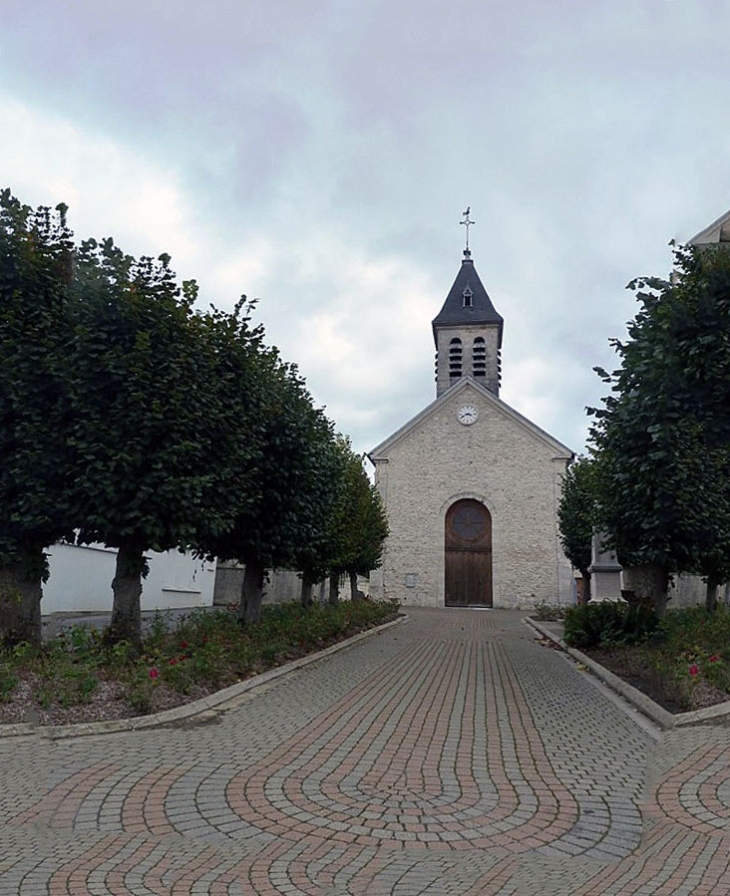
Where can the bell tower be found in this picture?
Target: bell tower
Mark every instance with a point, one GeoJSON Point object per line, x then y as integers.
{"type": "Point", "coordinates": [468, 331]}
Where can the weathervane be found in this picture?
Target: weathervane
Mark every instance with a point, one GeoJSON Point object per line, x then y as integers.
{"type": "Point", "coordinates": [467, 222]}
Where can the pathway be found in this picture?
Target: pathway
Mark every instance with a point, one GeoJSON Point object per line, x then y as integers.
{"type": "Point", "coordinates": [447, 756]}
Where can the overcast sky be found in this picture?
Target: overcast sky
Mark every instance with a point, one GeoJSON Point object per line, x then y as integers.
{"type": "Point", "coordinates": [317, 154]}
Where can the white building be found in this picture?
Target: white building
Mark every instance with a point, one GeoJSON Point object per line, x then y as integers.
{"type": "Point", "coordinates": [81, 580]}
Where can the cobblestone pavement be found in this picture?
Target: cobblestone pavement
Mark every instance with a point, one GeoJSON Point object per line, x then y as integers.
{"type": "Point", "coordinates": [447, 756]}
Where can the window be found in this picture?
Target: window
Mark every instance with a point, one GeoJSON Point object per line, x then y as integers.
{"type": "Point", "coordinates": [467, 296]}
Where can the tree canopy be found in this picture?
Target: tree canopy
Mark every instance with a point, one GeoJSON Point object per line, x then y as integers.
{"type": "Point", "coordinates": [132, 418]}
{"type": "Point", "coordinates": [576, 515]}
{"type": "Point", "coordinates": [662, 440]}
{"type": "Point", "coordinates": [360, 527]}
{"type": "Point", "coordinates": [35, 469]}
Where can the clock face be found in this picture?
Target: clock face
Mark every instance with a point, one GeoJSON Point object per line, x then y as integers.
{"type": "Point", "coordinates": [467, 414]}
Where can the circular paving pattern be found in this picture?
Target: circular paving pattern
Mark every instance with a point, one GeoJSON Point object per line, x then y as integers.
{"type": "Point", "coordinates": [467, 760]}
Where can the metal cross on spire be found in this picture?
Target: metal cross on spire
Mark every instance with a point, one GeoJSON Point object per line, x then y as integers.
{"type": "Point", "coordinates": [467, 222]}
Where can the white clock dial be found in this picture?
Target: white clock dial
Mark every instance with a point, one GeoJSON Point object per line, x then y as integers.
{"type": "Point", "coordinates": [467, 414]}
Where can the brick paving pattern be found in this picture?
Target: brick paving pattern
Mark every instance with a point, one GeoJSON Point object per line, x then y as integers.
{"type": "Point", "coordinates": [451, 755]}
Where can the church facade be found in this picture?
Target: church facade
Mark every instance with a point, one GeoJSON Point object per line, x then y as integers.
{"type": "Point", "coordinates": [471, 487]}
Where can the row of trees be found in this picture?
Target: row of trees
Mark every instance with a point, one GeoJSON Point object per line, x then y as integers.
{"type": "Point", "coordinates": [131, 418]}
{"type": "Point", "coordinates": [657, 479]}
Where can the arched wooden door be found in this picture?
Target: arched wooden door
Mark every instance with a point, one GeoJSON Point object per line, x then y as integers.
{"type": "Point", "coordinates": [468, 555]}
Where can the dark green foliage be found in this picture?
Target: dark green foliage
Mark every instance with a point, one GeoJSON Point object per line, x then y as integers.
{"type": "Point", "coordinates": [607, 624]}
{"type": "Point", "coordinates": [662, 440]}
{"type": "Point", "coordinates": [161, 416]}
{"type": "Point", "coordinates": [35, 474]}
{"type": "Point", "coordinates": [360, 527]}
{"type": "Point", "coordinates": [129, 418]}
{"type": "Point", "coordinates": [286, 520]}
{"type": "Point", "coordinates": [577, 514]}
{"type": "Point", "coordinates": [696, 630]}
{"type": "Point", "coordinates": [9, 680]}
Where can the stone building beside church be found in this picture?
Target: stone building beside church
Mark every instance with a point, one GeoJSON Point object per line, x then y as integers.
{"type": "Point", "coordinates": [471, 487]}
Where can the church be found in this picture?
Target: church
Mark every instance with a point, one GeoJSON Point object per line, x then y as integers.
{"type": "Point", "coordinates": [471, 487]}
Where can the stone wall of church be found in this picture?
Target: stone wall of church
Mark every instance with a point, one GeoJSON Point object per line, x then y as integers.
{"type": "Point", "coordinates": [497, 461]}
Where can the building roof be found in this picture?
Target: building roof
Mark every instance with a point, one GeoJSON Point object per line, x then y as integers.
{"type": "Point", "coordinates": [481, 310]}
{"type": "Point", "coordinates": [717, 232]}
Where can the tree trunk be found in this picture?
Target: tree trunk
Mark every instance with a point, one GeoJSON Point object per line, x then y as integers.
{"type": "Point", "coordinates": [306, 593]}
{"type": "Point", "coordinates": [354, 593]}
{"type": "Point", "coordinates": [334, 595]}
{"type": "Point", "coordinates": [586, 585]}
{"type": "Point", "coordinates": [711, 594]}
{"type": "Point", "coordinates": [650, 583]}
{"type": "Point", "coordinates": [126, 622]}
{"type": "Point", "coordinates": [252, 593]}
{"type": "Point", "coordinates": [21, 590]}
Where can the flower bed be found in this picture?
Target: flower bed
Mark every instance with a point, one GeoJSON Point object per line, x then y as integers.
{"type": "Point", "coordinates": [75, 679]}
{"type": "Point", "coordinates": [682, 661]}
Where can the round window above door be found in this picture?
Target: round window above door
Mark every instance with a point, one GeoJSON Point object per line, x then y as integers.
{"type": "Point", "coordinates": [469, 521]}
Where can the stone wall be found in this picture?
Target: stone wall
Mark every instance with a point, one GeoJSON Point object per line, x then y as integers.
{"type": "Point", "coordinates": [283, 586]}
{"type": "Point", "coordinates": [502, 463]}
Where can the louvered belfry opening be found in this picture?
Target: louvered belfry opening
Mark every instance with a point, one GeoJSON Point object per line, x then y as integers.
{"type": "Point", "coordinates": [455, 358]}
{"type": "Point", "coordinates": [479, 358]}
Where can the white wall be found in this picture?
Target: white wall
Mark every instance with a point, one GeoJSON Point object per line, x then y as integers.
{"type": "Point", "coordinates": [81, 579]}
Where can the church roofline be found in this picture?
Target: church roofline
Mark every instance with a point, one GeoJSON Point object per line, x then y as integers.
{"type": "Point", "coordinates": [717, 232]}
{"type": "Point", "coordinates": [377, 453]}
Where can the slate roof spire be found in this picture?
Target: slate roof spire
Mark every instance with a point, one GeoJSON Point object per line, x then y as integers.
{"type": "Point", "coordinates": [467, 302]}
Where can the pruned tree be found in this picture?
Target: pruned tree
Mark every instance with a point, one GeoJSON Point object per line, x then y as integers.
{"type": "Point", "coordinates": [35, 468]}
{"type": "Point", "coordinates": [360, 526]}
{"type": "Point", "coordinates": [576, 516]}
{"type": "Point", "coordinates": [295, 472]}
{"type": "Point", "coordinates": [662, 439]}
{"type": "Point", "coordinates": [153, 414]}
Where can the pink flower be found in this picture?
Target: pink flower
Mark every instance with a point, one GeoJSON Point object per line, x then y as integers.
{"type": "Point", "coordinates": [694, 669]}
{"type": "Point", "coordinates": [153, 672]}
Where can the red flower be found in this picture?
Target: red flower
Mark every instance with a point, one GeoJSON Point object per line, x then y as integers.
{"type": "Point", "coordinates": [173, 661]}
{"type": "Point", "coordinates": [714, 658]}
{"type": "Point", "coordinates": [183, 645]}
{"type": "Point", "coordinates": [153, 672]}
{"type": "Point", "coordinates": [694, 669]}
{"type": "Point", "coordinates": [205, 639]}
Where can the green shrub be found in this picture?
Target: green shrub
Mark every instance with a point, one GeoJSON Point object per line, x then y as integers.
{"type": "Point", "coordinates": [209, 664]}
{"type": "Point", "coordinates": [75, 685]}
{"type": "Point", "coordinates": [608, 624]}
{"type": "Point", "coordinates": [694, 646]}
{"type": "Point", "coordinates": [141, 685]}
{"type": "Point", "coordinates": [8, 682]}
